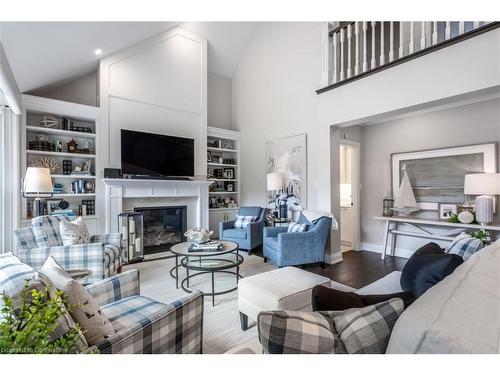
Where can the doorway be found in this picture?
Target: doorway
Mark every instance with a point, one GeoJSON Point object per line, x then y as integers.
{"type": "Point", "coordinates": [349, 195]}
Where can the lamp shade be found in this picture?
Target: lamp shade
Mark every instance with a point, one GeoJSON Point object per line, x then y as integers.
{"type": "Point", "coordinates": [274, 181]}
{"type": "Point", "coordinates": [482, 184]}
{"type": "Point", "coordinates": [37, 180]}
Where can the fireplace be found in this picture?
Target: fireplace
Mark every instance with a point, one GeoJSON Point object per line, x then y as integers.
{"type": "Point", "coordinates": [163, 227]}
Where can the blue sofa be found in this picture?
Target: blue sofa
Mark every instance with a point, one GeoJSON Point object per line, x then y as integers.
{"type": "Point", "coordinates": [250, 237]}
{"type": "Point", "coordinates": [292, 249]}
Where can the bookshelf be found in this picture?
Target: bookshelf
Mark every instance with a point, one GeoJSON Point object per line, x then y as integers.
{"type": "Point", "coordinates": [77, 183]}
{"type": "Point", "coordinates": [223, 169]}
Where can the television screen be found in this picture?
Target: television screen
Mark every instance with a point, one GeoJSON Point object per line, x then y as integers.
{"type": "Point", "coordinates": [149, 154]}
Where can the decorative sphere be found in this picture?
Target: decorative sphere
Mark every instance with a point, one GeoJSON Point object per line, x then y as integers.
{"type": "Point", "coordinates": [465, 217]}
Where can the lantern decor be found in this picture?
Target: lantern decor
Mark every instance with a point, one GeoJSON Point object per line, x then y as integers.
{"type": "Point", "coordinates": [131, 225]}
{"type": "Point", "coordinates": [388, 204]}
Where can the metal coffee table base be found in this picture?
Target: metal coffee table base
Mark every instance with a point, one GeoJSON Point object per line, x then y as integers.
{"type": "Point", "coordinates": [194, 265]}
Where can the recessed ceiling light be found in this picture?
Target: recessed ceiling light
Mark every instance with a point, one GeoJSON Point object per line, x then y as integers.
{"type": "Point", "coordinates": [98, 51]}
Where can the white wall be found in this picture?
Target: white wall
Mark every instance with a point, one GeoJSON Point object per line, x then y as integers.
{"type": "Point", "coordinates": [157, 86]}
{"type": "Point", "coordinates": [218, 101]}
{"type": "Point", "coordinates": [461, 126]}
{"type": "Point", "coordinates": [273, 97]}
{"type": "Point", "coordinates": [82, 90]}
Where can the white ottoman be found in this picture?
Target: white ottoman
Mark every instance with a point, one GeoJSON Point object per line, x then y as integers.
{"type": "Point", "coordinates": [287, 288]}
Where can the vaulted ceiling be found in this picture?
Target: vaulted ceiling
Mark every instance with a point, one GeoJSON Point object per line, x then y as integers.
{"type": "Point", "coordinates": [50, 53]}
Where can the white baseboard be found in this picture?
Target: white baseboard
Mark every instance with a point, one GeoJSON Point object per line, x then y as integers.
{"type": "Point", "coordinates": [376, 248]}
{"type": "Point", "coordinates": [336, 258]}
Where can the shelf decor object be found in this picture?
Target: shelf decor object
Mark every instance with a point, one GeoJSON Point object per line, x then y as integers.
{"type": "Point", "coordinates": [132, 231]}
{"type": "Point", "coordinates": [37, 184]}
{"type": "Point", "coordinates": [486, 186]}
{"type": "Point", "coordinates": [49, 121]}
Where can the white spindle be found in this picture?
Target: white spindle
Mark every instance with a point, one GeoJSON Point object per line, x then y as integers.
{"type": "Point", "coordinates": [349, 50]}
{"type": "Point", "coordinates": [475, 24]}
{"type": "Point", "coordinates": [342, 74]}
{"type": "Point", "coordinates": [422, 37]}
{"type": "Point", "coordinates": [365, 46]}
{"type": "Point", "coordinates": [401, 38]}
{"type": "Point", "coordinates": [447, 30]}
{"type": "Point", "coordinates": [356, 52]}
{"type": "Point", "coordinates": [435, 32]}
{"type": "Point", "coordinates": [382, 44]}
{"type": "Point", "coordinates": [461, 27]}
{"type": "Point", "coordinates": [374, 61]}
{"type": "Point", "coordinates": [411, 45]}
{"type": "Point", "coordinates": [326, 54]}
{"type": "Point", "coordinates": [391, 41]}
{"type": "Point", "coordinates": [335, 57]}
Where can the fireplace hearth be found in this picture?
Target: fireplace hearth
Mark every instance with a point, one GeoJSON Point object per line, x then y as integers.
{"type": "Point", "coordinates": [163, 227]}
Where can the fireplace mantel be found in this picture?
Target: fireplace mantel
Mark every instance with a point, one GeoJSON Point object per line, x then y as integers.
{"type": "Point", "coordinates": [118, 189]}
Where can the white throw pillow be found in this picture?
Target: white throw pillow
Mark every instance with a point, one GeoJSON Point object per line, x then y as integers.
{"type": "Point", "coordinates": [74, 232]}
{"type": "Point", "coordinates": [82, 307]}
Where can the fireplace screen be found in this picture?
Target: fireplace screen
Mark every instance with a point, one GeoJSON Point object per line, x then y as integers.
{"type": "Point", "coordinates": [163, 227]}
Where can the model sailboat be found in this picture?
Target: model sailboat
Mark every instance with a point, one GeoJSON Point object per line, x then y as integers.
{"type": "Point", "coordinates": [405, 202]}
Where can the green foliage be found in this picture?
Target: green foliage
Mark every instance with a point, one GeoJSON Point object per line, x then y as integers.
{"type": "Point", "coordinates": [28, 329]}
{"type": "Point", "coordinates": [483, 236]}
{"type": "Point", "coordinates": [454, 218]}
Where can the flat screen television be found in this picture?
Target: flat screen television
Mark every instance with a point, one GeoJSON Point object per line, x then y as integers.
{"type": "Point", "coordinates": [156, 155]}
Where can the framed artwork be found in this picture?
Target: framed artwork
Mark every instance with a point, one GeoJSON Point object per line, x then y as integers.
{"type": "Point", "coordinates": [437, 176]}
{"type": "Point", "coordinates": [288, 157]}
{"type": "Point", "coordinates": [209, 157]}
{"type": "Point", "coordinates": [446, 210]}
{"type": "Point", "coordinates": [229, 173]}
{"type": "Point", "coordinates": [52, 205]}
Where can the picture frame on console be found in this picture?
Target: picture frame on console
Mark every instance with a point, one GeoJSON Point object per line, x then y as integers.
{"type": "Point", "coordinates": [447, 210]}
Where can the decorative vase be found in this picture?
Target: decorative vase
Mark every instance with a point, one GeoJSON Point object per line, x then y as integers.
{"type": "Point", "coordinates": [198, 235]}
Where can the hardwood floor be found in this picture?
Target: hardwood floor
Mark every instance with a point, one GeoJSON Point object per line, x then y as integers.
{"type": "Point", "coordinates": [359, 268]}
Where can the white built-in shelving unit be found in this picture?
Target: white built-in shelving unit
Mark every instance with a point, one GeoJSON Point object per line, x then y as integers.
{"type": "Point", "coordinates": [220, 191]}
{"type": "Point", "coordinates": [33, 109]}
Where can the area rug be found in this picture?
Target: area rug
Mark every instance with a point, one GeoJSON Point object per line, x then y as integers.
{"type": "Point", "coordinates": [221, 326]}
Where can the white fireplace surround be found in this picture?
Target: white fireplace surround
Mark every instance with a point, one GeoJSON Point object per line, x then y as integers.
{"type": "Point", "coordinates": [125, 194]}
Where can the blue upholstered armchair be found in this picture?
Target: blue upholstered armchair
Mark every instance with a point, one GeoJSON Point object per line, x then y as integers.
{"type": "Point", "coordinates": [291, 249]}
{"type": "Point", "coordinates": [250, 237]}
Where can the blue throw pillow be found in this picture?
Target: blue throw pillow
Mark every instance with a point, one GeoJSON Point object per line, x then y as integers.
{"type": "Point", "coordinates": [464, 245]}
{"type": "Point", "coordinates": [295, 227]}
{"type": "Point", "coordinates": [242, 222]}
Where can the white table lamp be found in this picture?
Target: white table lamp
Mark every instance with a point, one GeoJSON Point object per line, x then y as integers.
{"type": "Point", "coordinates": [37, 184]}
{"type": "Point", "coordinates": [274, 181]}
{"type": "Point", "coordinates": [485, 185]}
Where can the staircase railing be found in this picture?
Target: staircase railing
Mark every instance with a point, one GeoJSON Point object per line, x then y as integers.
{"type": "Point", "coordinates": [354, 49]}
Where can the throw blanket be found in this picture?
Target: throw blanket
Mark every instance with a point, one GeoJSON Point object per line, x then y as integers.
{"type": "Point", "coordinates": [313, 216]}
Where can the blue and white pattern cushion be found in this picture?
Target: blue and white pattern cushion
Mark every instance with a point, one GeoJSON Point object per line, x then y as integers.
{"type": "Point", "coordinates": [13, 274]}
{"type": "Point", "coordinates": [242, 222]}
{"type": "Point", "coordinates": [46, 230]}
{"type": "Point", "coordinates": [464, 245]}
{"type": "Point", "coordinates": [295, 227]}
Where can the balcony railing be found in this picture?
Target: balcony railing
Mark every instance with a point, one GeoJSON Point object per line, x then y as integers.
{"type": "Point", "coordinates": [352, 50]}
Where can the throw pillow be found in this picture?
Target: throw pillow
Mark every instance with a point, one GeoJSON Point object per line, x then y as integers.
{"type": "Point", "coordinates": [366, 330]}
{"type": "Point", "coordinates": [329, 299]}
{"type": "Point", "coordinates": [13, 274]}
{"type": "Point", "coordinates": [295, 227]}
{"type": "Point", "coordinates": [74, 232]}
{"type": "Point", "coordinates": [464, 245]}
{"type": "Point", "coordinates": [242, 222]}
{"type": "Point", "coordinates": [85, 312]}
{"type": "Point", "coordinates": [295, 332]}
{"type": "Point", "coordinates": [427, 267]}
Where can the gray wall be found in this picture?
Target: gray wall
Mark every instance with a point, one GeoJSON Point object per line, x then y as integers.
{"type": "Point", "coordinates": [82, 90]}
{"type": "Point", "coordinates": [461, 126]}
{"type": "Point", "coordinates": [218, 101]}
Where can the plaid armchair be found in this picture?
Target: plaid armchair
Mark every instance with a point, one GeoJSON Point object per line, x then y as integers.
{"type": "Point", "coordinates": [102, 255]}
{"type": "Point", "coordinates": [144, 325]}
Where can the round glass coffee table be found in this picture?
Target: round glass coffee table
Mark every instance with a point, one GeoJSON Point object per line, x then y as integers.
{"type": "Point", "coordinates": [209, 262]}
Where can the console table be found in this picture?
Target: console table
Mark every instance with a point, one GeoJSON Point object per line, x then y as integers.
{"type": "Point", "coordinates": [416, 229]}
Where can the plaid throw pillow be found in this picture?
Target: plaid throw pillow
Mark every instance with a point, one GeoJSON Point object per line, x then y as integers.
{"type": "Point", "coordinates": [366, 330]}
{"type": "Point", "coordinates": [295, 332]}
{"type": "Point", "coordinates": [243, 221]}
{"type": "Point", "coordinates": [464, 245]}
{"type": "Point", "coordinates": [295, 227]}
